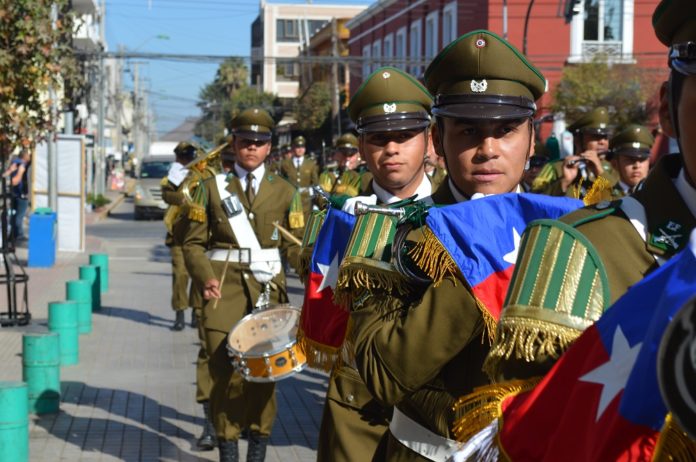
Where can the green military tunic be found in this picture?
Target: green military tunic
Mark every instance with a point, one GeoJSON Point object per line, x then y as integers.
{"type": "Point", "coordinates": [626, 257]}
{"type": "Point", "coordinates": [172, 195]}
{"type": "Point", "coordinates": [424, 360]}
{"type": "Point", "coordinates": [549, 179]}
{"type": "Point", "coordinates": [236, 404]}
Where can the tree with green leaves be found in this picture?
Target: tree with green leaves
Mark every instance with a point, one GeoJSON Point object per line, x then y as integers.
{"type": "Point", "coordinates": [226, 96]}
{"type": "Point", "coordinates": [625, 89]}
{"type": "Point", "coordinates": [35, 54]}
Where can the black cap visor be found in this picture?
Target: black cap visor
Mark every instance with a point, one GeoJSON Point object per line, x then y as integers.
{"type": "Point", "coordinates": [483, 107]}
{"type": "Point", "coordinates": [393, 122]}
{"type": "Point", "coordinates": [251, 135]}
{"type": "Point", "coordinates": [631, 152]}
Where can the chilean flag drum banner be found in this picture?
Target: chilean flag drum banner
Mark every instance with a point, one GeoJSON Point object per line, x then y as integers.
{"type": "Point", "coordinates": [601, 401]}
{"type": "Point", "coordinates": [482, 237]}
{"type": "Point", "coordinates": [324, 324]}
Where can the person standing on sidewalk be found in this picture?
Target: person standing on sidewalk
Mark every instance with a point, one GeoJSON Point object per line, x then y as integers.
{"type": "Point", "coordinates": [172, 195]}
{"type": "Point", "coordinates": [254, 199]}
{"type": "Point", "coordinates": [19, 185]}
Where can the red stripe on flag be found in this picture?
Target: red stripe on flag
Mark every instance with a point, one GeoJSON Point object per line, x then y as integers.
{"type": "Point", "coordinates": [323, 322]}
{"type": "Point", "coordinates": [491, 292]}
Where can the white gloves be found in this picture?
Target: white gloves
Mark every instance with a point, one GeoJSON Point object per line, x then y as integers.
{"type": "Point", "coordinates": [349, 206]}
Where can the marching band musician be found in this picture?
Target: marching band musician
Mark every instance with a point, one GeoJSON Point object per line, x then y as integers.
{"type": "Point", "coordinates": [423, 360]}
{"type": "Point", "coordinates": [391, 113]}
{"type": "Point", "coordinates": [239, 234]}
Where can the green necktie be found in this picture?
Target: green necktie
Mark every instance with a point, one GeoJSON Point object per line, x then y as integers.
{"type": "Point", "coordinates": [250, 192]}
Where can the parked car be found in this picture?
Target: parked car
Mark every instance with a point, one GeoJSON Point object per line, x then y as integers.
{"type": "Point", "coordinates": [148, 193]}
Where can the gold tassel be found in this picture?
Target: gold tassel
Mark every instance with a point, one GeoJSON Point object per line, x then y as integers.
{"type": "Point", "coordinates": [600, 190]}
{"type": "Point", "coordinates": [296, 219]}
{"type": "Point", "coordinates": [355, 278]}
{"type": "Point", "coordinates": [483, 406]}
{"type": "Point", "coordinates": [527, 339]}
{"type": "Point", "coordinates": [319, 356]}
{"type": "Point", "coordinates": [197, 213]}
{"type": "Point", "coordinates": [673, 444]}
{"type": "Point", "coordinates": [433, 259]}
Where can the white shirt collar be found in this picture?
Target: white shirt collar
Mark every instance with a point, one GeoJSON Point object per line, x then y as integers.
{"type": "Point", "coordinates": [259, 172]}
{"type": "Point", "coordinates": [424, 190]}
{"type": "Point", "coordinates": [626, 188]}
{"type": "Point", "coordinates": [686, 191]}
{"type": "Point", "coordinates": [297, 161]}
{"type": "Point", "coordinates": [459, 197]}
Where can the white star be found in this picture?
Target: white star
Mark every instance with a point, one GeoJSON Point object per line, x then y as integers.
{"type": "Point", "coordinates": [613, 374]}
{"type": "Point", "coordinates": [511, 257]}
{"type": "Point", "coordinates": [330, 273]}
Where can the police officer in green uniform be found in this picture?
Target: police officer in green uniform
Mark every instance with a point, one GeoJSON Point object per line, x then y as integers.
{"type": "Point", "coordinates": [172, 195]}
{"type": "Point", "coordinates": [301, 171]}
{"type": "Point", "coordinates": [591, 142]}
{"type": "Point", "coordinates": [391, 114]}
{"type": "Point", "coordinates": [260, 198]}
{"type": "Point", "coordinates": [629, 154]}
{"type": "Point", "coordinates": [430, 355]}
{"type": "Point", "coordinates": [625, 239]}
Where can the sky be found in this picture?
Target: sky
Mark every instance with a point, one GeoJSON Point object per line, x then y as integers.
{"type": "Point", "coordinates": [208, 27]}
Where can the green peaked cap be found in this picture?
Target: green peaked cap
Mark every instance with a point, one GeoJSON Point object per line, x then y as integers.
{"type": "Point", "coordinates": [632, 140]}
{"type": "Point", "coordinates": [389, 100]}
{"type": "Point", "coordinates": [595, 121]}
{"type": "Point", "coordinates": [482, 76]}
{"type": "Point", "coordinates": [347, 140]}
{"type": "Point", "coordinates": [253, 123]}
{"type": "Point", "coordinates": [675, 21]}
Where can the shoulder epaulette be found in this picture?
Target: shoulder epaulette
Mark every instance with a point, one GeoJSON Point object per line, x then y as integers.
{"type": "Point", "coordinates": [592, 213]}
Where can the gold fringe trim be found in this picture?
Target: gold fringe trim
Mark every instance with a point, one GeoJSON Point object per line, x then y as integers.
{"type": "Point", "coordinates": [527, 339]}
{"type": "Point", "coordinates": [296, 219]}
{"type": "Point", "coordinates": [433, 259]}
{"type": "Point", "coordinates": [483, 406]}
{"type": "Point", "coordinates": [673, 444]}
{"type": "Point", "coordinates": [489, 322]}
{"type": "Point", "coordinates": [600, 190]}
{"type": "Point", "coordinates": [358, 279]}
{"type": "Point", "coordinates": [197, 213]}
{"type": "Point", "coordinates": [319, 356]}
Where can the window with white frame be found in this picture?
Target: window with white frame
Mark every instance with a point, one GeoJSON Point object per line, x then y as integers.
{"type": "Point", "coordinates": [431, 45]}
{"type": "Point", "coordinates": [400, 48]}
{"type": "Point", "coordinates": [603, 28]}
{"type": "Point", "coordinates": [376, 54]}
{"type": "Point", "coordinates": [388, 49]}
{"type": "Point", "coordinates": [414, 47]}
{"type": "Point", "coordinates": [449, 23]}
{"type": "Point", "coordinates": [367, 61]}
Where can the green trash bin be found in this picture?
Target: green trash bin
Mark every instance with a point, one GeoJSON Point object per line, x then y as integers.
{"type": "Point", "coordinates": [80, 292]}
{"type": "Point", "coordinates": [62, 318]}
{"type": "Point", "coordinates": [102, 261]}
{"type": "Point", "coordinates": [92, 274]}
{"type": "Point", "coordinates": [14, 422]}
{"type": "Point", "coordinates": [41, 371]}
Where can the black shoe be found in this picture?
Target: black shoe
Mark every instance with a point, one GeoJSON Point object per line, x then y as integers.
{"type": "Point", "coordinates": [207, 441]}
{"type": "Point", "coordinates": [194, 319]}
{"type": "Point", "coordinates": [179, 323]}
{"type": "Point", "coordinates": [257, 447]}
{"type": "Point", "coordinates": [229, 451]}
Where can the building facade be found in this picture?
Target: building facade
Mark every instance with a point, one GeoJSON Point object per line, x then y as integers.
{"type": "Point", "coordinates": [409, 33]}
{"type": "Point", "coordinates": [280, 31]}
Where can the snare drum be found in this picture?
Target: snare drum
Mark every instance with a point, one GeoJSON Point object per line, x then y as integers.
{"type": "Point", "coordinates": [263, 345]}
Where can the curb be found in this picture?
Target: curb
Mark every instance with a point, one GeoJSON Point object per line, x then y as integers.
{"type": "Point", "coordinates": [130, 186]}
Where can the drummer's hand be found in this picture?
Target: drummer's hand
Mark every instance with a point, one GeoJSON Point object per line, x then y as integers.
{"type": "Point", "coordinates": [211, 289]}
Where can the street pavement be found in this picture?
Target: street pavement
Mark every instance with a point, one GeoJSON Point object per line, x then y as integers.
{"type": "Point", "coordinates": [132, 395]}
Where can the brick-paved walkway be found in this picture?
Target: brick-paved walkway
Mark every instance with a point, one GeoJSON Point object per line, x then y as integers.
{"type": "Point", "coordinates": [131, 397]}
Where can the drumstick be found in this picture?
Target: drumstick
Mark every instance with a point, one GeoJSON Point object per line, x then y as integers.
{"type": "Point", "coordinates": [222, 277]}
{"type": "Point", "coordinates": [287, 234]}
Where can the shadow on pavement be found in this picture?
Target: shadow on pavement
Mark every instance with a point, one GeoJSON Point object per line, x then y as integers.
{"type": "Point", "coordinates": [148, 441]}
{"type": "Point", "coordinates": [134, 315]}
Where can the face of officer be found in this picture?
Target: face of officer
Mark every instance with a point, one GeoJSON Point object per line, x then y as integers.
{"type": "Point", "coordinates": [632, 170]}
{"type": "Point", "coordinates": [595, 142]}
{"type": "Point", "coordinates": [395, 159]}
{"type": "Point", "coordinates": [298, 151]}
{"type": "Point", "coordinates": [347, 158]}
{"type": "Point", "coordinates": [249, 154]}
{"type": "Point", "coordinates": [686, 113]}
{"type": "Point", "coordinates": [485, 157]}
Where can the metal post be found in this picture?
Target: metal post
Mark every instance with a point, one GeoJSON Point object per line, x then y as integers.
{"type": "Point", "coordinates": [526, 27]}
{"type": "Point", "coordinates": [505, 20]}
{"type": "Point", "coordinates": [52, 164]}
{"type": "Point", "coordinates": [335, 100]}
{"type": "Point", "coordinates": [136, 113]}
{"type": "Point", "coordinates": [99, 152]}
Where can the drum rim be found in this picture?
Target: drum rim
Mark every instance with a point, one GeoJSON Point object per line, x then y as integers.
{"type": "Point", "coordinates": [234, 352]}
{"type": "Point", "coordinates": [275, 378]}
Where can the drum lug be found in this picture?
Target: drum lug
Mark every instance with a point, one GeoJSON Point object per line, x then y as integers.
{"type": "Point", "coordinates": [245, 371]}
{"type": "Point", "coordinates": [293, 358]}
{"type": "Point", "coordinates": [269, 369]}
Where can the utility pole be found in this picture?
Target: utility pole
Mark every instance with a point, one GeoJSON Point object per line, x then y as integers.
{"type": "Point", "coordinates": [101, 108]}
{"type": "Point", "coordinates": [136, 111]}
{"type": "Point", "coordinates": [52, 155]}
{"type": "Point", "coordinates": [335, 100]}
{"type": "Point", "coordinates": [118, 100]}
